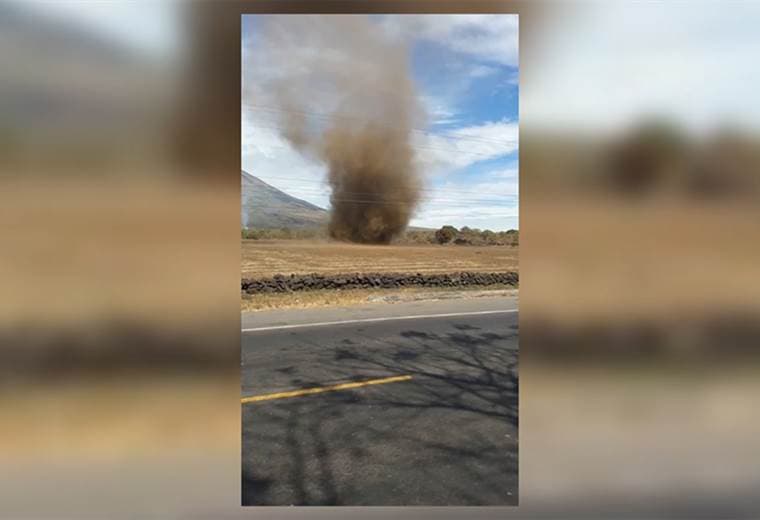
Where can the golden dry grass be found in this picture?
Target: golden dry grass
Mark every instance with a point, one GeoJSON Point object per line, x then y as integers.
{"type": "Point", "coordinates": [606, 260]}
{"type": "Point", "coordinates": [79, 251]}
{"type": "Point", "coordinates": [263, 258]}
{"type": "Point", "coordinates": [112, 418]}
{"type": "Point", "coordinates": [322, 298]}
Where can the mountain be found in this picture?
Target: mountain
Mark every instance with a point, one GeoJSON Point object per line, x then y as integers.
{"type": "Point", "coordinates": [264, 206]}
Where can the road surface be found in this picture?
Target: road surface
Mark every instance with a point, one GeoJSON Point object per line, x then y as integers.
{"type": "Point", "coordinates": [403, 404]}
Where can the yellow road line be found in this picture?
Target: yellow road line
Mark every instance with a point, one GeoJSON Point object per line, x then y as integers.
{"type": "Point", "coordinates": [320, 389]}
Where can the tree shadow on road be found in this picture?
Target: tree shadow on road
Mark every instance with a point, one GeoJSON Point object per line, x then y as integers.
{"type": "Point", "coordinates": [448, 436]}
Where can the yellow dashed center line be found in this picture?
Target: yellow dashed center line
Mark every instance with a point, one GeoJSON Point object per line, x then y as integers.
{"type": "Point", "coordinates": [321, 389]}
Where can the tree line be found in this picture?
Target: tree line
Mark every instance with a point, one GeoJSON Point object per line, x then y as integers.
{"type": "Point", "coordinates": [443, 236]}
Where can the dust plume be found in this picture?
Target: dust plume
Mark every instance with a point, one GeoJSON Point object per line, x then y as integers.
{"type": "Point", "coordinates": [342, 93]}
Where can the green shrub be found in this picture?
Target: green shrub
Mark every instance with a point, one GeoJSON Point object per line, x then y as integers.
{"type": "Point", "coordinates": [446, 234]}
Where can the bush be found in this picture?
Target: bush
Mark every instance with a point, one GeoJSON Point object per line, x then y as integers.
{"type": "Point", "coordinates": [418, 237]}
{"type": "Point", "coordinates": [488, 236]}
{"type": "Point", "coordinates": [282, 233]}
{"type": "Point", "coordinates": [446, 234]}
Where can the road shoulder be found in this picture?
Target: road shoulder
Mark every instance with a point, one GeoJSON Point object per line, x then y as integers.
{"type": "Point", "coordinates": [375, 310]}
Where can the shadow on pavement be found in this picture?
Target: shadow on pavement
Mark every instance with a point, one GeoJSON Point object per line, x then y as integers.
{"type": "Point", "coordinates": [447, 437]}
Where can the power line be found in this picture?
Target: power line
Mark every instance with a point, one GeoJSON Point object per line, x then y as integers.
{"type": "Point", "coordinates": [375, 198]}
{"type": "Point", "coordinates": [494, 155]}
{"type": "Point", "coordinates": [418, 147]}
{"type": "Point", "coordinates": [326, 117]}
{"type": "Point", "coordinates": [375, 203]}
{"type": "Point", "coordinates": [455, 191]}
{"type": "Point", "coordinates": [449, 136]}
{"type": "Point", "coordinates": [420, 204]}
{"type": "Point", "coordinates": [278, 208]}
{"type": "Point", "coordinates": [371, 197]}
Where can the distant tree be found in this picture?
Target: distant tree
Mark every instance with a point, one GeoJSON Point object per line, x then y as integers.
{"type": "Point", "coordinates": [643, 159]}
{"type": "Point", "coordinates": [251, 234]}
{"type": "Point", "coordinates": [418, 237]}
{"type": "Point", "coordinates": [488, 236]}
{"type": "Point", "coordinates": [446, 234]}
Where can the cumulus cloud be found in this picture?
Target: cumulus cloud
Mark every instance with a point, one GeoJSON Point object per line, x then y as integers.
{"type": "Point", "coordinates": [464, 146]}
{"type": "Point", "coordinates": [268, 156]}
{"type": "Point", "coordinates": [488, 37]}
{"type": "Point", "coordinates": [495, 217]}
{"type": "Point", "coordinates": [440, 111]}
{"type": "Point", "coordinates": [490, 202]}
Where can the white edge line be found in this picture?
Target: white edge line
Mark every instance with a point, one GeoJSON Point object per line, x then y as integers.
{"type": "Point", "coordinates": [371, 320]}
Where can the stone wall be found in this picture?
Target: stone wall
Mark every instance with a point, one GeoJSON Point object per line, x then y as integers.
{"type": "Point", "coordinates": [283, 283]}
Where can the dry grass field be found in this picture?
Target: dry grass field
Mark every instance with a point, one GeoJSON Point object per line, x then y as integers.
{"type": "Point", "coordinates": [81, 252]}
{"type": "Point", "coordinates": [264, 258]}
{"type": "Point", "coordinates": [328, 297]}
{"type": "Point", "coordinates": [606, 260]}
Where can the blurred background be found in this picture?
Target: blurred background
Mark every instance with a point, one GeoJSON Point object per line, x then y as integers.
{"type": "Point", "coordinates": [640, 258]}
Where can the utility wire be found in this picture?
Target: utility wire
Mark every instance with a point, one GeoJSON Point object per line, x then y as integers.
{"type": "Point", "coordinates": [492, 155]}
{"type": "Point", "coordinates": [327, 117]}
{"type": "Point", "coordinates": [455, 191]}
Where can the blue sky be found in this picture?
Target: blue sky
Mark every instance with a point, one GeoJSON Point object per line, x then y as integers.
{"type": "Point", "coordinates": [466, 72]}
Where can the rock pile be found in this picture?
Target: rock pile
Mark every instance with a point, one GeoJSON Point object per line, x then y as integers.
{"type": "Point", "coordinates": [306, 282]}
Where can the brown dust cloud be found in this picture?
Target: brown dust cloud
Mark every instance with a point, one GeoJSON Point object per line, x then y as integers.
{"type": "Point", "coordinates": [344, 96]}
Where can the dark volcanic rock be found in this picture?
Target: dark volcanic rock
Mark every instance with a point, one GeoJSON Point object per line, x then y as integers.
{"type": "Point", "coordinates": [295, 282]}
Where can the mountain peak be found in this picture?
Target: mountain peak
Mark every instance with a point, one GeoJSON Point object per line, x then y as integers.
{"type": "Point", "coordinates": [264, 206]}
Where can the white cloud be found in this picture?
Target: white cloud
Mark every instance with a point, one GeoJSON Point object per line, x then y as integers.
{"type": "Point", "coordinates": [268, 156]}
{"type": "Point", "coordinates": [481, 216]}
{"type": "Point", "coordinates": [462, 147]}
{"type": "Point", "coordinates": [482, 71]}
{"type": "Point", "coordinates": [439, 110]}
{"type": "Point", "coordinates": [491, 202]}
{"type": "Point", "coordinates": [489, 37]}
{"type": "Point", "coordinates": [620, 61]}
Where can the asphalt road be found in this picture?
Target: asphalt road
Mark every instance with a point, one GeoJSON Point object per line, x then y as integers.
{"type": "Point", "coordinates": [437, 427]}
